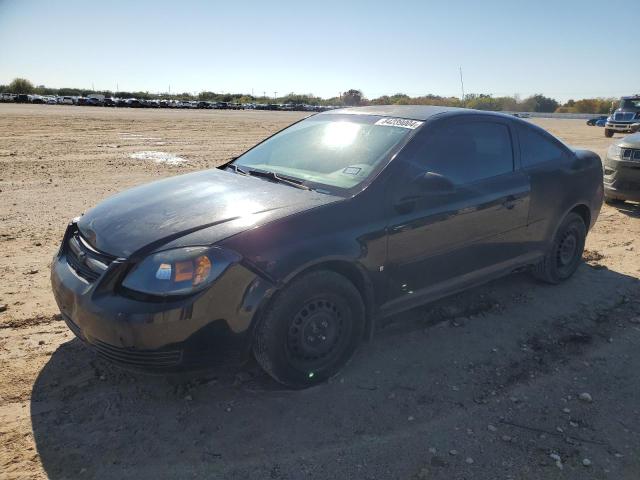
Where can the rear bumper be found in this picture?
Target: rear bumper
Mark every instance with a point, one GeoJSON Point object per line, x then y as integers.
{"type": "Point", "coordinates": [211, 328]}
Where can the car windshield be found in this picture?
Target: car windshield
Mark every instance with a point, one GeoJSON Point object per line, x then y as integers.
{"type": "Point", "coordinates": [331, 149]}
{"type": "Point", "coordinates": [630, 104]}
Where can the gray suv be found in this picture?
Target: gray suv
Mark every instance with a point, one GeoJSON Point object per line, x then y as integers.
{"type": "Point", "coordinates": [625, 118]}
{"type": "Point", "coordinates": [622, 170]}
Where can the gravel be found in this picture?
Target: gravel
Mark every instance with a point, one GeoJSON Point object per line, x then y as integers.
{"type": "Point", "coordinates": [585, 397]}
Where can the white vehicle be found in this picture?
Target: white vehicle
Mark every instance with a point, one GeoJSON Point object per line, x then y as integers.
{"type": "Point", "coordinates": [66, 100]}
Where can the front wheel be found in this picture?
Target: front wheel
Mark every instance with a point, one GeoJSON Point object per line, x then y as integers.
{"type": "Point", "coordinates": [310, 330]}
{"type": "Point", "coordinates": [565, 252]}
{"type": "Point", "coordinates": [608, 132]}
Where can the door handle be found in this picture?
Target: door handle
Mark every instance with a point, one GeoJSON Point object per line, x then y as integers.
{"type": "Point", "coordinates": [509, 202]}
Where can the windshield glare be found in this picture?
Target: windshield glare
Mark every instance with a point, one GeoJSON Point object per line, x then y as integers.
{"type": "Point", "coordinates": [334, 150]}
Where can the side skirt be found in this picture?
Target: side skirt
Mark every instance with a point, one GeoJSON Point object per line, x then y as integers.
{"type": "Point", "coordinates": [456, 285]}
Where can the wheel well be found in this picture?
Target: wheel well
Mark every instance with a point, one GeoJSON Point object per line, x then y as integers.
{"type": "Point", "coordinates": [359, 279]}
{"type": "Point", "coordinates": [584, 213]}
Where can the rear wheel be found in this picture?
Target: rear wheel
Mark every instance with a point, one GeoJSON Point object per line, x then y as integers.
{"type": "Point", "coordinates": [311, 329]}
{"type": "Point", "coordinates": [608, 132]}
{"type": "Point", "coordinates": [565, 252]}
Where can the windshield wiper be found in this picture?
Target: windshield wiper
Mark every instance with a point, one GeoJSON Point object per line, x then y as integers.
{"type": "Point", "coordinates": [237, 169]}
{"type": "Point", "coordinates": [274, 176]}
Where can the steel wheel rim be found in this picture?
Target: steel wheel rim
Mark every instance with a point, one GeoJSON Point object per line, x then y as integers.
{"type": "Point", "coordinates": [312, 355]}
{"type": "Point", "coordinates": [567, 249]}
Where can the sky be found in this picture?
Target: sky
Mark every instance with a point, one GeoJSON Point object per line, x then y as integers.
{"type": "Point", "coordinates": [561, 48]}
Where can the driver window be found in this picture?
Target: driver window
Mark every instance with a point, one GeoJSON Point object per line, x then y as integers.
{"type": "Point", "coordinates": [468, 152]}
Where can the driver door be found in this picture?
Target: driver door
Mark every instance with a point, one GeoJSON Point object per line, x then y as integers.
{"type": "Point", "coordinates": [443, 239]}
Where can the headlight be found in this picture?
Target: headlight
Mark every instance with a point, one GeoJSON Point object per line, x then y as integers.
{"type": "Point", "coordinates": [614, 151]}
{"type": "Point", "coordinates": [180, 271]}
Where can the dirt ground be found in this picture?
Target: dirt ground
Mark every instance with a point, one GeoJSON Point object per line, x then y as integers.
{"type": "Point", "coordinates": [485, 385]}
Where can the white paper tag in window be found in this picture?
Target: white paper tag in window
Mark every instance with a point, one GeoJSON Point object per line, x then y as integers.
{"type": "Point", "coordinates": [399, 122]}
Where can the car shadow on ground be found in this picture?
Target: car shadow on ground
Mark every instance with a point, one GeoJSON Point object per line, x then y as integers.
{"type": "Point", "coordinates": [630, 209]}
{"type": "Point", "coordinates": [436, 364]}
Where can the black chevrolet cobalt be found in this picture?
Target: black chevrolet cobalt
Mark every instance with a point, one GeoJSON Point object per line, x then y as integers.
{"type": "Point", "coordinates": [294, 250]}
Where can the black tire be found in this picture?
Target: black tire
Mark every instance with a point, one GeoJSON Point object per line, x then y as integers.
{"type": "Point", "coordinates": [608, 133]}
{"type": "Point", "coordinates": [613, 201]}
{"type": "Point", "coordinates": [310, 330]}
{"type": "Point", "coordinates": [565, 252]}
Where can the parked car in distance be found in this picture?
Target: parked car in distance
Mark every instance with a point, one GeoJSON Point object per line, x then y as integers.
{"type": "Point", "coordinates": [626, 115]}
{"type": "Point", "coordinates": [66, 100]}
{"type": "Point", "coordinates": [597, 121]}
{"type": "Point", "coordinates": [134, 103]}
{"type": "Point", "coordinates": [299, 247]}
{"type": "Point", "coordinates": [622, 170]}
{"type": "Point", "coordinates": [89, 102]}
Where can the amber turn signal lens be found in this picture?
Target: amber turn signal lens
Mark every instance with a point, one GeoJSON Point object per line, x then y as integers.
{"type": "Point", "coordinates": [203, 268]}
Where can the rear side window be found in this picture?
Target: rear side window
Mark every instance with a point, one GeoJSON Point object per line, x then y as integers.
{"type": "Point", "coordinates": [536, 148]}
{"type": "Point", "coordinates": [469, 151]}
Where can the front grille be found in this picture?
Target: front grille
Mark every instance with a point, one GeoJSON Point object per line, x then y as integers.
{"type": "Point", "coordinates": [624, 116]}
{"type": "Point", "coordinates": [84, 260]}
{"type": "Point", "coordinates": [630, 154]}
{"type": "Point", "coordinates": [138, 358]}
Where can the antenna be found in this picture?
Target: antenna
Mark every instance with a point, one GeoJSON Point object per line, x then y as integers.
{"type": "Point", "coordinates": [462, 86]}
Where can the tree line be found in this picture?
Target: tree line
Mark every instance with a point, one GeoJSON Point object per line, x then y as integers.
{"type": "Point", "coordinates": [353, 97]}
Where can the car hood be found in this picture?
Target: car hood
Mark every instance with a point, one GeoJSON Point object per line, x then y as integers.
{"type": "Point", "coordinates": [203, 207]}
{"type": "Point", "coordinates": [630, 141]}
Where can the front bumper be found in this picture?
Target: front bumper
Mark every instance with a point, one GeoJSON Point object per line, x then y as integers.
{"type": "Point", "coordinates": [620, 126]}
{"type": "Point", "coordinates": [622, 179]}
{"type": "Point", "coordinates": [209, 328]}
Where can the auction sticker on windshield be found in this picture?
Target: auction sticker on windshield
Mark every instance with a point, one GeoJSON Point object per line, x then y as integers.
{"type": "Point", "coordinates": [399, 122]}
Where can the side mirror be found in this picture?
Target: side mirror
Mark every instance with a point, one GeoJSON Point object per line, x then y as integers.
{"type": "Point", "coordinates": [431, 183]}
{"type": "Point", "coordinates": [635, 127]}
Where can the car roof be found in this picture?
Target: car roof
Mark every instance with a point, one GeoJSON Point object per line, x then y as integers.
{"type": "Point", "coordinates": [413, 112]}
{"type": "Point", "coordinates": [631, 97]}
